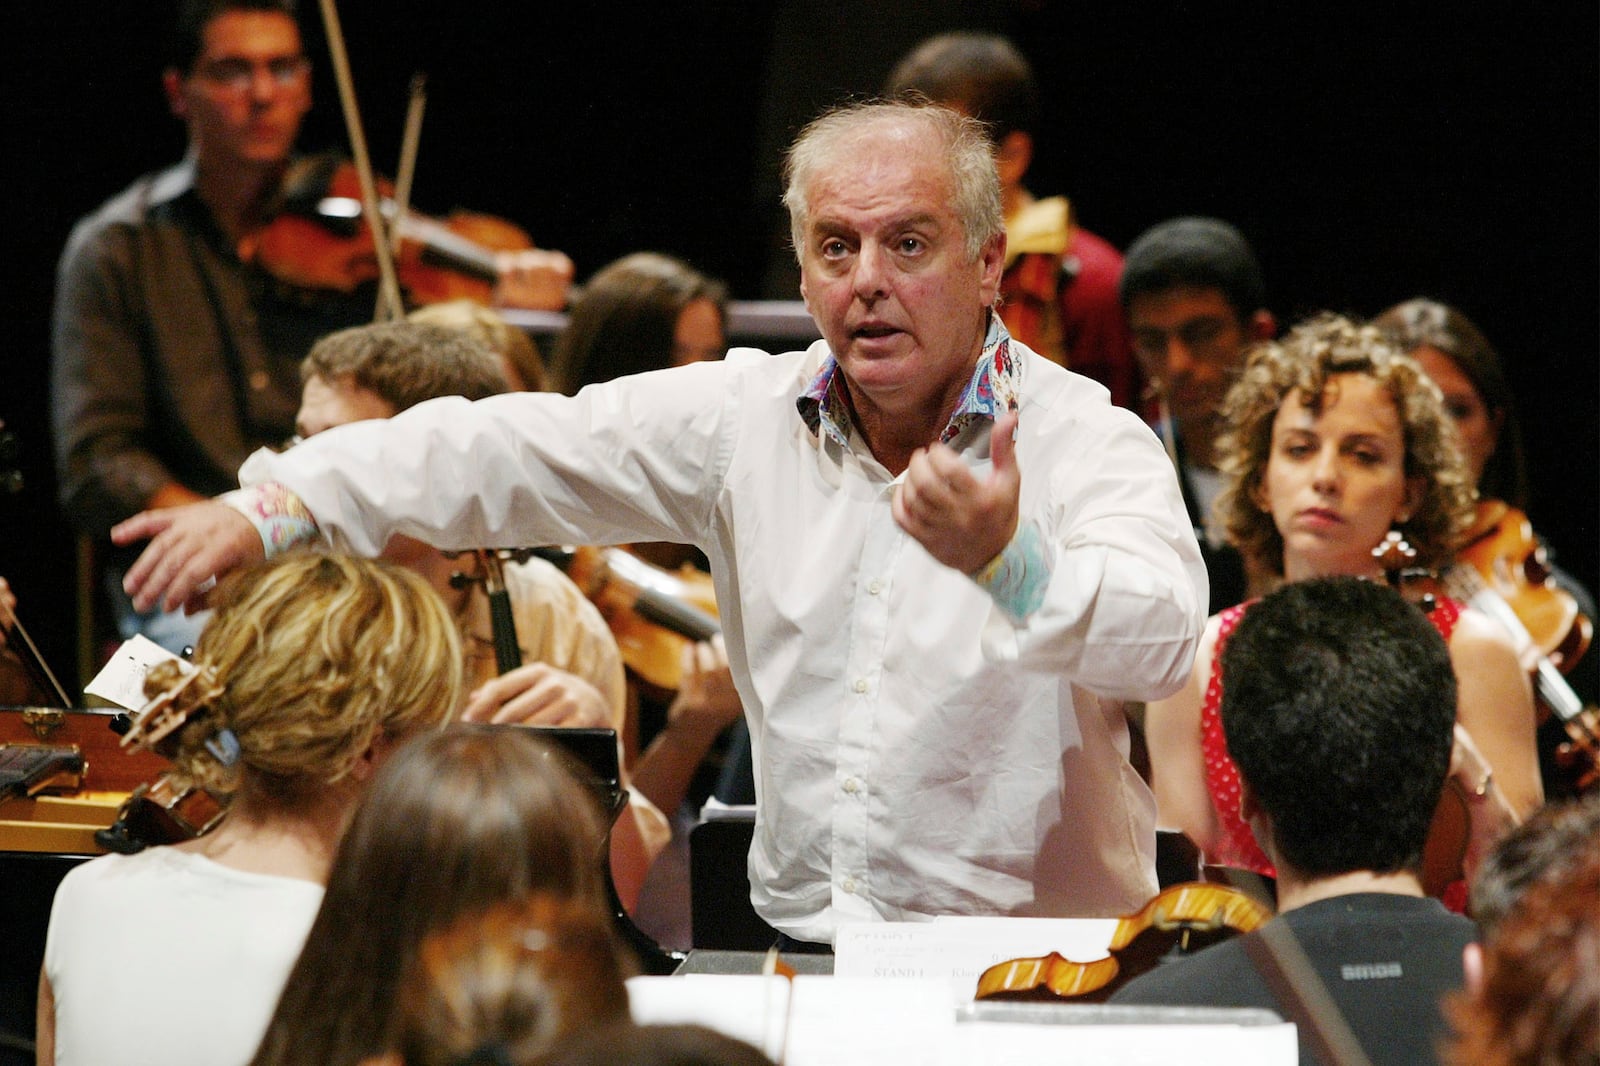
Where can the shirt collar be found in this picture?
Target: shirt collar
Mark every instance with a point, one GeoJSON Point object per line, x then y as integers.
{"type": "Point", "coordinates": [992, 390]}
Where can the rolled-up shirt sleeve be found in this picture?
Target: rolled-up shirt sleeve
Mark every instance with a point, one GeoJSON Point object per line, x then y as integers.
{"type": "Point", "coordinates": [1126, 599]}
{"type": "Point", "coordinates": [629, 460]}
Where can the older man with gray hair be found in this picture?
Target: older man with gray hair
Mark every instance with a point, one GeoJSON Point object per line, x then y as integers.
{"type": "Point", "coordinates": [942, 562]}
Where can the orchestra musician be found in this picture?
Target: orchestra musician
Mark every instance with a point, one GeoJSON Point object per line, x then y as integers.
{"type": "Point", "coordinates": [1335, 439]}
{"type": "Point", "coordinates": [173, 356]}
{"type": "Point", "coordinates": [922, 531]}
{"type": "Point", "coordinates": [459, 821]}
{"type": "Point", "coordinates": [312, 669]}
{"type": "Point", "coordinates": [1468, 370]}
{"type": "Point", "coordinates": [571, 672]}
{"type": "Point", "coordinates": [1348, 669]}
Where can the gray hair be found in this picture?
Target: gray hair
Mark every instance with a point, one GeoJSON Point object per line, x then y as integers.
{"type": "Point", "coordinates": [967, 151]}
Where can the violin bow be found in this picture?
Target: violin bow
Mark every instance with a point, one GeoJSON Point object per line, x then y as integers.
{"type": "Point", "coordinates": [8, 617]}
{"type": "Point", "coordinates": [390, 308]}
{"type": "Point", "coordinates": [416, 101]}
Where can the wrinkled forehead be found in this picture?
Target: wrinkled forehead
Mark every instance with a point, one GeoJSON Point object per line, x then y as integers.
{"type": "Point", "coordinates": [879, 165]}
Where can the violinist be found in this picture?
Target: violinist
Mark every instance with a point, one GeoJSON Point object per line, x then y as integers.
{"type": "Point", "coordinates": [1350, 670]}
{"type": "Point", "coordinates": [1467, 369]}
{"type": "Point", "coordinates": [312, 669]}
{"type": "Point", "coordinates": [571, 672]}
{"type": "Point", "coordinates": [173, 356]}
{"type": "Point", "coordinates": [1336, 440]}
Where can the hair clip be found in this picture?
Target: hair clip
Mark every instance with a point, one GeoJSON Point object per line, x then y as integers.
{"type": "Point", "coordinates": [224, 747]}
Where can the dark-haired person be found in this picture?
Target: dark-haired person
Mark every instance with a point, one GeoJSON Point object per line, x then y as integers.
{"type": "Point", "coordinates": [1058, 294]}
{"type": "Point", "coordinates": [645, 311]}
{"type": "Point", "coordinates": [1349, 670]}
{"type": "Point", "coordinates": [1453, 352]}
{"type": "Point", "coordinates": [1195, 301]}
{"type": "Point", "coordinates": [456, 823]}
{"type": "Point", "coordinates": [173, 356]}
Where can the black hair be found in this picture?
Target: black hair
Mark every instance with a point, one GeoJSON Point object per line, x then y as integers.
{"type": "Point", "coordinates": [189, 28]}
{"type": "Point", "coordinates": [1339, 705]}
{"type": "Point", "coordinates": [1199, 253]}
{"type": "Point", "coordinates": [982, 74]}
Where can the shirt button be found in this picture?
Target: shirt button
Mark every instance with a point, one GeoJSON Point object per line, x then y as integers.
{"type": "Point", "coordinates": [849, 886]}
{"type": "Point", "coordinates": [850, 785]}
{"type": "Point", "coordinates": [259, 380]}
{"type": "Point", "coordinates": [861, 686]}
{"type": "Point", "coordinates": [875, 588]}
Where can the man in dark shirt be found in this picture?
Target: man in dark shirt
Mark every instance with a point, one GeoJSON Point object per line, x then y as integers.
{"type": "Point", "coordinates": [1339, 708]}
{"type": "Point", "coordinates": [1195, 301]}
{"type": "Point", "coordinates": [173, 357]}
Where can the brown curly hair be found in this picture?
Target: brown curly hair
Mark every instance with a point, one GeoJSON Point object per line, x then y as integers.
{"type": "Point", "coordinates": [1304, 360]}
{"type": "Point", "coordinates": [307, 659]}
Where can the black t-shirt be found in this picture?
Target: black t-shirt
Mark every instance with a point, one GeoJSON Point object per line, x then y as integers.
{"type": "Point", "coordinates": [1386, 961]}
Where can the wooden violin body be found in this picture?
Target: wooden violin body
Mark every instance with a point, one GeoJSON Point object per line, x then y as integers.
{"type": "Point", "coordinates": [1511, 563]}
{"type": "Point", "coordinates": [317, 239]}
{"type": "Point", "coordinates": [1182, 918]}
{"type": "Point", "coordinates": [653, 612]}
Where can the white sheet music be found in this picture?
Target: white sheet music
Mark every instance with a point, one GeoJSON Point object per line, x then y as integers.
{"type": "Point", "coordinates": [121, 680]}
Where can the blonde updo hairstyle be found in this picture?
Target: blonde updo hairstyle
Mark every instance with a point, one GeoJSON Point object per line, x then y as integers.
{"type": "Point", "coordinates": [1305, 360]}
{"type": "Point", "coordinates": [307, 660]}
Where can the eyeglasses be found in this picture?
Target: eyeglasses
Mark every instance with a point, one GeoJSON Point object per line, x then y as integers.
{"type": "Point", "coordinates": [237, 75]}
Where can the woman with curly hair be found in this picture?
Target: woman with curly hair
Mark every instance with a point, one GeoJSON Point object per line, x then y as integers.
{"type": "Point", "coordinates": [312, 669]}
{"type": "Point", "coordinates": [1338, 446]}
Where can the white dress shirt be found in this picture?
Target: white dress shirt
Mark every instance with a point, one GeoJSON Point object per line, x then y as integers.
{"type": "Point", "coordinates": [917, 753]}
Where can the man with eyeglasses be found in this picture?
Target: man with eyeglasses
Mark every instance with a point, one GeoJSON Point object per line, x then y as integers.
{"type": "Point", "coordinates": [1195, 301]}
{"type": "Point", "coordinates": [174, 358]}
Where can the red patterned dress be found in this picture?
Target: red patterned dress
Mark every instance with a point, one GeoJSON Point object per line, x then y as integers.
{"type": "Point", "coordinates": [1238, 847]}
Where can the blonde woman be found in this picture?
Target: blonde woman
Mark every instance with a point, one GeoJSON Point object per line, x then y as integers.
{"type": "Point", "coordinates": [312, 670]}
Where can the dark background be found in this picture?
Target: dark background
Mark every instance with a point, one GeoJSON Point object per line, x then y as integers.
{"type": "Point", "coordinates": [1432, 149]}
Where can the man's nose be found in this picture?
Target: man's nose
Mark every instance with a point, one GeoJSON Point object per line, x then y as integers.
{"type": "Point", "coordinates": [1180, 357]}
{"type": "Point", "coordinates": [870, 272]}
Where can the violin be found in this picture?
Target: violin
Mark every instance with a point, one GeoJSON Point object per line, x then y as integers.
{"type": "Point", "coordinates": [1511, 563]}
{"type": "Point", "coordinates": [654, 613]}
{"type": "Point", "coordinates": [1181, 919]}
{"type": "Point", "coordinates": [317, 239]}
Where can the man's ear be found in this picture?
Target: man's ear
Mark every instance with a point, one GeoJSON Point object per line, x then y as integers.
{"type": "Point", "coordinates": [1012, 158]}
{"type": "Point", "coordinates": [1263, 327]}
{"type": "Point", "coordinates": [172, 87]}
{"type": "Point", "coordinates": [1259, 821]}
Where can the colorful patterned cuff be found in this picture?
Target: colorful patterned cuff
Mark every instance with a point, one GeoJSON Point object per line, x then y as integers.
{"type": "Point", "coordinates": [1017, 577]}
{"type": "Point", "coordinates": [280, 517]}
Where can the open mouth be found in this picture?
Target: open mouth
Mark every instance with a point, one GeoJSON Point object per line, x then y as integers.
{"type": "Point", "coordinates": [873, 332]}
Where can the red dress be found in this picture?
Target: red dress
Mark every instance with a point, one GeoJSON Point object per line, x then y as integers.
{"type": "Point", "coordinates": [1238, 847]}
